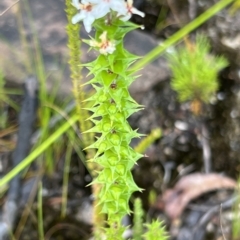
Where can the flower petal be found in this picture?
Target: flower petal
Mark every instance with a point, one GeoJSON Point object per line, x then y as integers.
{"type": "Point", "coordinates": [88, 21]}
{"type": "Point", "coordinates": [119, 7]}
{"type": "Point", "coordinates": [78, 17]}
{"type": "Point", "coordinates": [88, 28]}
{"type": "Point", "coordinates": [76, 4]}
{"type": "Point", "coordinates": [126, 17]}
{"type": "Point", "coordinates": [101, 10]}
{"type": "Point", "coordinates": [91, 1]}
{"type": "Point", "coordinates": [135, 11]}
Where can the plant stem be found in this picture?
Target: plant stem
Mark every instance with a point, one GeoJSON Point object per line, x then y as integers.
{"type": "Point", "coordinates": [40, 213]}
{"type": "Point", "coordinates": [39, 150]}
{"type": "Point", "coordinates": [152, 55]}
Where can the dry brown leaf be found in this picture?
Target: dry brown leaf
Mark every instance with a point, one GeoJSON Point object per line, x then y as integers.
{"type": "Point", "coordinates": [190, 187]}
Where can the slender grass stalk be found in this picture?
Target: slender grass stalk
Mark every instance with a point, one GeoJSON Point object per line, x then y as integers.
{"type": "Point", "coordinates": [39, 70]}
{"type": "Point", "coordinates": [88, 138]}
{"type": "Point", "coordinates": [76, 142]}
{"type": "Point", "coordinates": [39, 150]}
{"type": "Point", "coordinates": [27, 209]}
{"type": "Point", "coordinates": [4, 99]}
{"type": "Point", "coordinates": [40, 213]}
{"type": "Point", "coordinates": [24, 43]}
{"type": "Point", "coordinates": [65, 180]}
{"type": "Point", "coordinates": [152, 55]}
{"type": "Point", "coordinates": [147, 141]}
{"type": "Point", "coordinates": [11, 91]}
{"type": "Point", "coordinates": [138, 220]}
{"type": "Point", "coordinates": [10, 102]}
{"type": "Point", "coordinates": [38, 59]}
{"type": "Point", "coordinates": [7, 9]}
{"type": "Point", "coordinates": [74, 45]}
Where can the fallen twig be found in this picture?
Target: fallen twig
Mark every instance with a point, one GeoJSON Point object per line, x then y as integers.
{"type": "Point", "coordinates": [26, 121]}
{"type": "Point", "coordinates": [213, 211]}
{"type": "Point", "coordinates": [207, 154]}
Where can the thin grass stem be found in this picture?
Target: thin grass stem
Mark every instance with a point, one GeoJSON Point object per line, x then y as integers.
{"type": "Point", "coordinates": [66, 179]}
{"type": "Point", "coordinates": [39, 150]}
{"type": "Point", "coordinates": [156, 52]}
{"type": "Point", "coordinates": [40, 213]}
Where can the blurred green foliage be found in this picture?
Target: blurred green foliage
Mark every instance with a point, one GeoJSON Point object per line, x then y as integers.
{"type": "Point", "coordinates": [195, 71]}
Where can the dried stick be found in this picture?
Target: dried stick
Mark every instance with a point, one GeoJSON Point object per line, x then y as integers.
{"type": "Point", "coordinates": [26, 121]}
{"type": "Point", "coordinates": [207, 154]}
{"type": "Point", "coordinates": [213, 211]}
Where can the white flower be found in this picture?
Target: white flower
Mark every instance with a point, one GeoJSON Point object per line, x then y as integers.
{"type": "Point", "coordinates": [105, 46]}
{"type": "Point", "coordinates": [105, 6]}
{"type": "Point", "coordinates": [131, 10]}
{"type": "Point", "coordinates": [89, 10]}
{"type": "Point", "coordinates": [76, 4]}
{"type": "Point", "coordinates": [88, 13]}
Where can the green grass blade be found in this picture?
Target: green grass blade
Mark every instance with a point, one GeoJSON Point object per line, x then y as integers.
{"type": "Point", "coordinates": [152, 55]}
{"type": "Point", "coordinates": [33, 155]}
{"type": "Point", "coordinates": [65, 179]}
{"type": "Point", "coordinates": [40, 213]}
{"type": "Point", "coordinates": [11, 91]}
